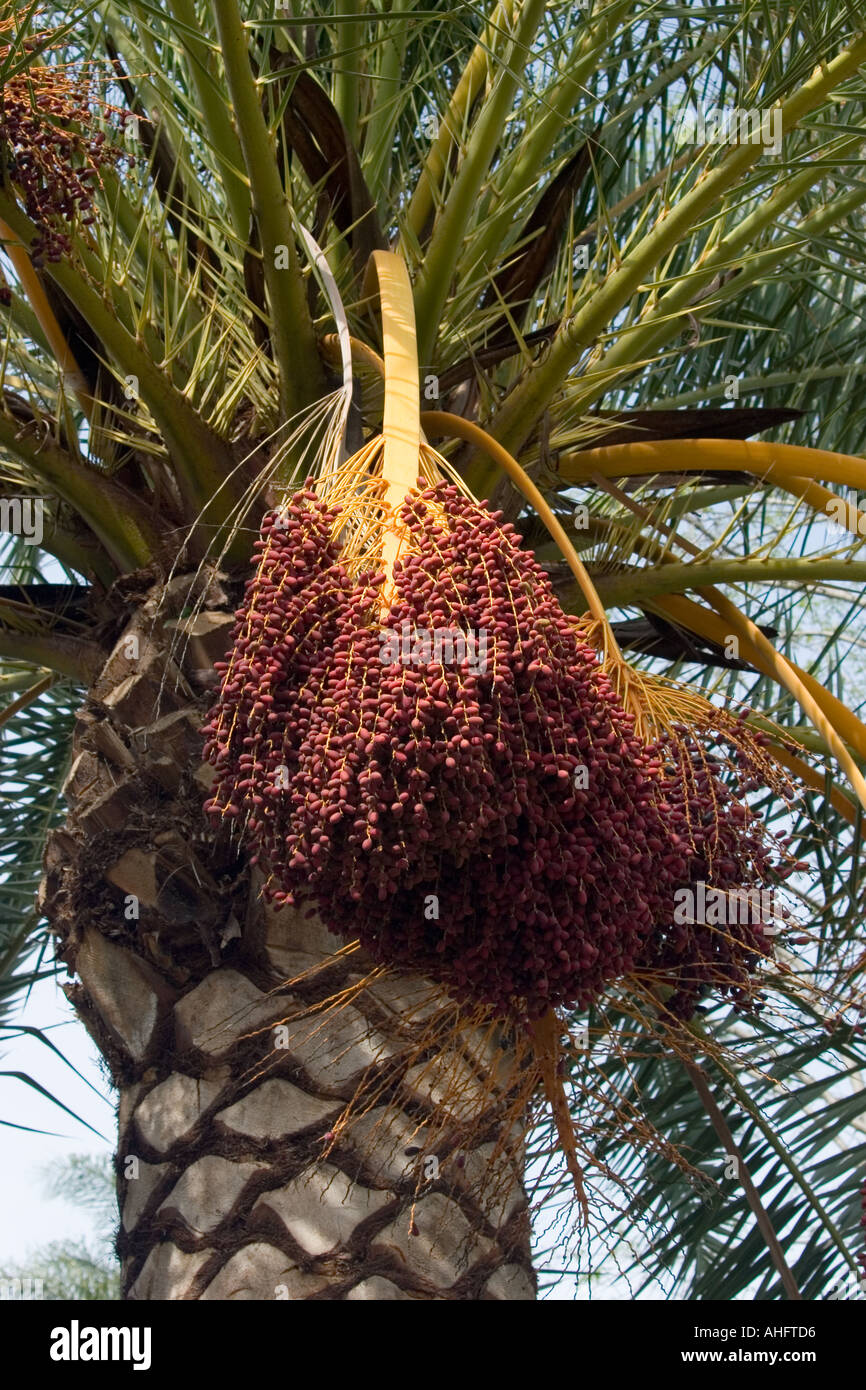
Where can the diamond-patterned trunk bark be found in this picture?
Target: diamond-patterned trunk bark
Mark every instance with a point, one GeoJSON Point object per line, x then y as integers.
{"type": "Point", "coordinates": [232, 1180]}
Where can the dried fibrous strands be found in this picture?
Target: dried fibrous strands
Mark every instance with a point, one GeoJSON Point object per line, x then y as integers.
{"type": "Point", "coordinates": [444, 1103]}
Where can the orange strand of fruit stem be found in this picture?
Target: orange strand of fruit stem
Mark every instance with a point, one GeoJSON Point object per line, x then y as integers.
{"type": "Point", "coordinates": [546, 1033]}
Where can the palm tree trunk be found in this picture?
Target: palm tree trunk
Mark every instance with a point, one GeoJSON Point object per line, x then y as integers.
{"type": "Point", "coordinates": [237, 1177]}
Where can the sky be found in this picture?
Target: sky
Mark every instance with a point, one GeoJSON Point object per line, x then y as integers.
{"type": "Point", "coordinates": [27, 1217]}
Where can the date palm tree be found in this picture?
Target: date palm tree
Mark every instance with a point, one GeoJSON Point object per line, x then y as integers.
{"type": "Point", "coordinates": [624, 290]}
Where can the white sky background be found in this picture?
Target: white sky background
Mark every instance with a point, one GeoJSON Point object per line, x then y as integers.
{"type": "Point", "coordinates": [27, 1217]}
